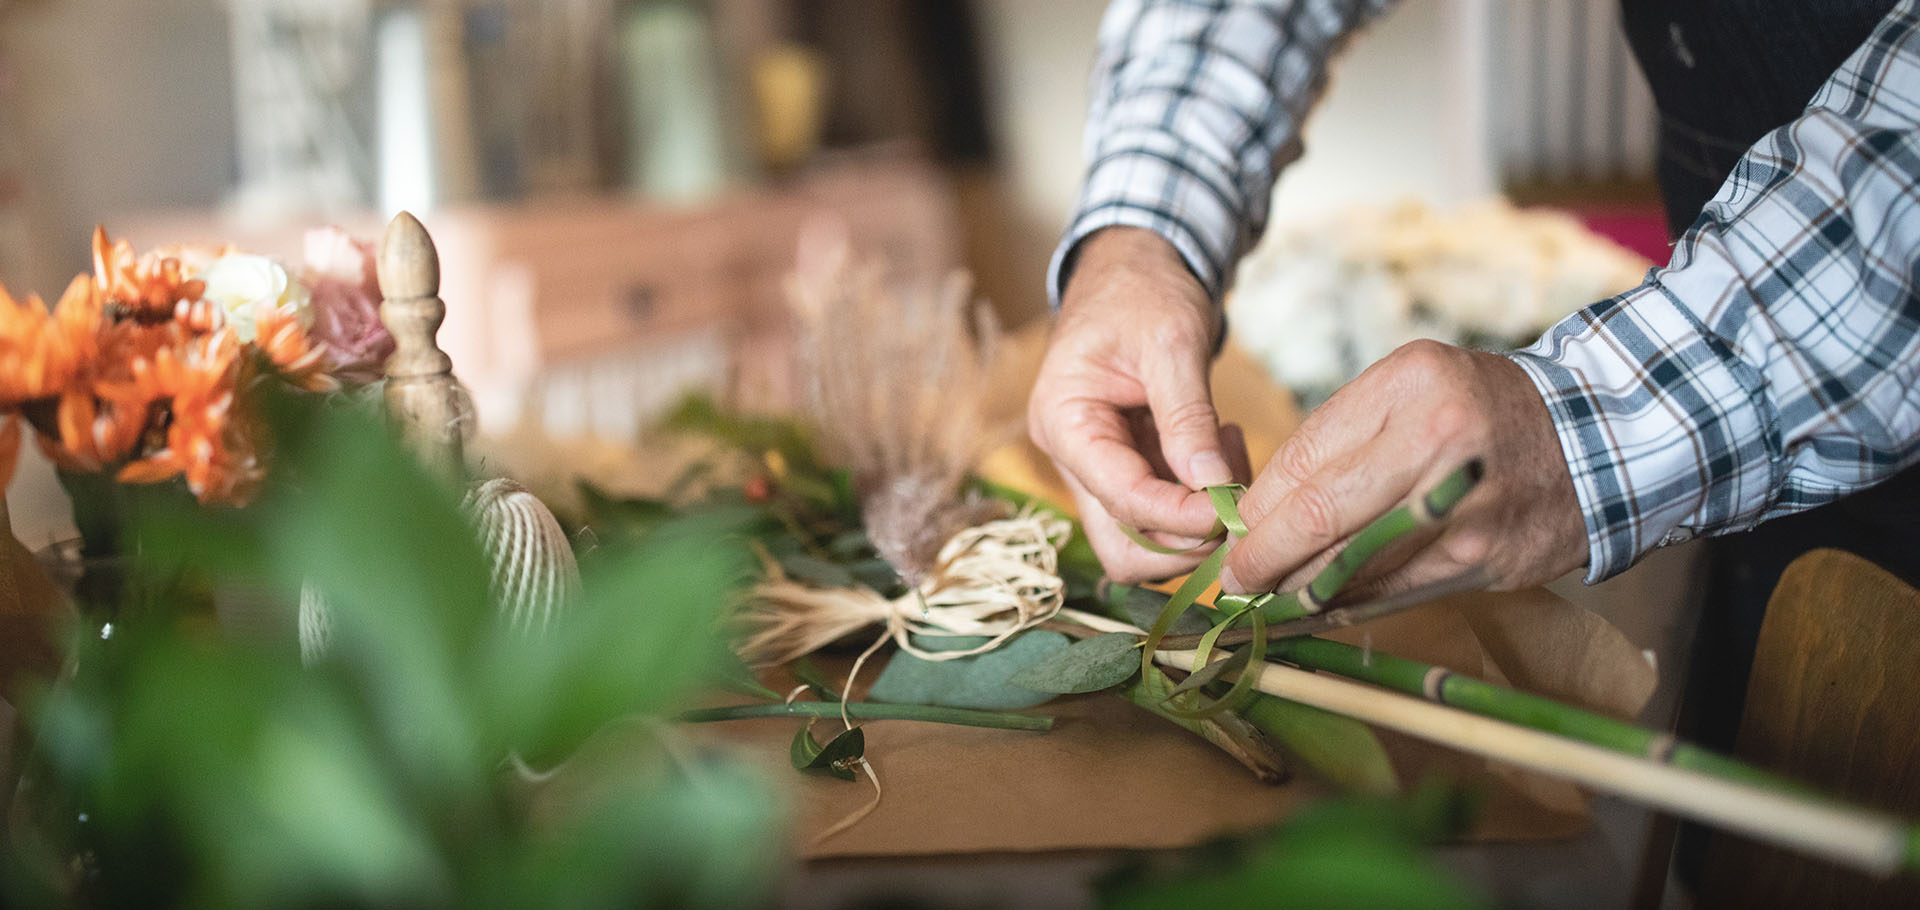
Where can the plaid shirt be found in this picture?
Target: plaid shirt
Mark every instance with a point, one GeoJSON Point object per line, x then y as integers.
{"type": "Point", "coordinates": [1771, 366]}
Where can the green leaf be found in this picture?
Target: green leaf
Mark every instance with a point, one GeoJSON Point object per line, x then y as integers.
{"type": "Point", "coordinates": [1090, 665]}
{"type": "Point", "coordinates": [804, 670]}
{"type": "Point", "coordinates": [980, 681]}
{"type": "Point", "coordinates": [804, 748]}
{"type": "Point", "coordinates": [731, 673]}
{"type": "Point", "coordinates": [1141, 606]}
{"type": "Point", "coordinates": [1353, 852]}
{"type": "Point", "coordinates": [817, 571]}
{"type": "Point", "coordinates": [640, 636]}
{"type": "Point", "coordinates": [835, 758]}
{"type": "Point", "coordinates": [1212, 671]}
{"type": "Point", "coordinates": [1341, 750]}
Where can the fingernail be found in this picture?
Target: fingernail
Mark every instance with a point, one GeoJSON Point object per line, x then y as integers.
{"type": "Point", "coordinates": [1228, 583]}
{"type": "Point", "coordinates": [1209, 469]}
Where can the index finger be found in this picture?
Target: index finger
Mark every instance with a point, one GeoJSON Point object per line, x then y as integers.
{"type": "Point", "coordinates": [1123, 560]}
{"type": "Point", "coordinates": [1093, 444]}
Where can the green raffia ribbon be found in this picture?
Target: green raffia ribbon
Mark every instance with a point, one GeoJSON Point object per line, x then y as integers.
{"type": "Point", "coordinates": [1225, 499]}
{"type": "Point", "coordinates": [1226, 505]}
{"type": "Point", "coordinates": [1146, 543]}
{"type": "Point", "coordinates": [1256, 653]}
{"type": "Point", "coordinates": [1182, 598]}
{"type": "Point", "coordinates": [1430, 508]}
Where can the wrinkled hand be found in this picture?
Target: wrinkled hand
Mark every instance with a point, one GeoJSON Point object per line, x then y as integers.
{"type": "Point", "coordinates": [1392, 433]}
{"type": "Point", "coordinates": [1122, 403]}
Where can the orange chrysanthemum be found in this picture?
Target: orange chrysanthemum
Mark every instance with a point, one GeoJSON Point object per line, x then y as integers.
{"type": "Point", "coordinates": [135, 371]}
{"type": "Point", "coordinates": [150, 288]}
{"type": "Point", "coordinates": [41, 353]}
{"type": "Point", "coordinates": [301, 360]}
{"type": "Point", "coordinates": [208, 441]}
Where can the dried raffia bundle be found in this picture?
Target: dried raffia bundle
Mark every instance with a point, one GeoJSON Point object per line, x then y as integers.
{"type": "Point", "coordinates": [894, 382]}
{"type": "Point", "coordinates": [994, 579]}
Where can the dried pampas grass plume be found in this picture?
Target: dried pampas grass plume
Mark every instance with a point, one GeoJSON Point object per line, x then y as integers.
{"type": "Point", "coordinates": [894, 379]}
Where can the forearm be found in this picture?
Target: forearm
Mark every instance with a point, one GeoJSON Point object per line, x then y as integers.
{"type": "Point", "coordinates": [1772, 365]}
{"type": "Point", "coordinates": [1195, 108]}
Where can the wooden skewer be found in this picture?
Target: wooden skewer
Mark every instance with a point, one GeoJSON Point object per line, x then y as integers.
{"type": "Point", "coordinates": [1867, 840]}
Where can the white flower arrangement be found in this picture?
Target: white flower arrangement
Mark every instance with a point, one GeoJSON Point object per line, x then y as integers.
{"type": "Point", "coordinates": [1318, 302]}
{"type": "Point", "coordinates": [242, 282]}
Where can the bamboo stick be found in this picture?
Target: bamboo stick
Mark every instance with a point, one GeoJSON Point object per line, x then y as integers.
{"type": "Point", "coordinates": [1441, 685]}
{"type": "Point", "coordinates": [1872, 841]}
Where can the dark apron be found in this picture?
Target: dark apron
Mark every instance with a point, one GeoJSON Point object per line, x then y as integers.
{"type": "Point", "coordinates": [1724, 73]}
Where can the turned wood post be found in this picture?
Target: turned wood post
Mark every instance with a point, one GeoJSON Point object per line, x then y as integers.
{"type": "Point", "coordinates": [424, 400]}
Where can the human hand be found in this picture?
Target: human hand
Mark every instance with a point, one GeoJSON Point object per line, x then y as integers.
{"type": "Point", "coordinates": [1122, 403]}
{"type": "Point", "coordinates": [1392, 433]}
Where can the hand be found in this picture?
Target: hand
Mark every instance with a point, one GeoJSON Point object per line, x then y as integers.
{"type": "Point", "coordinates": [1122, 403]}
{"type": "Point", "coordinates": [1392, 433]}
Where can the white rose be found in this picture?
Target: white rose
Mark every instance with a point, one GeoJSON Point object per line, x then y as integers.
{"type": "Point", "coordinates": [240, 283]}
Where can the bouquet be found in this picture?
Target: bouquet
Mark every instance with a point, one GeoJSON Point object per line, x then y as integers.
{"type": "Point", "coordinates": [149, 369]}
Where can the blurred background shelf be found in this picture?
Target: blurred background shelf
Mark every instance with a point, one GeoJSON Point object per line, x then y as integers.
{"type": "Point", "coordinates": [588, 316]}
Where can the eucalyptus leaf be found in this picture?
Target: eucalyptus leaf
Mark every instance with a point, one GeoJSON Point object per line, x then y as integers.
{"type": "Point", "coordinates": [1101, 662]}
{"type": "Point", "coordinates": [980, 681]}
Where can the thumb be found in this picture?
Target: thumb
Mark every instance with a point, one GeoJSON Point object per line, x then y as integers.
{"type": "Point", "coordinates": [1182, 406]}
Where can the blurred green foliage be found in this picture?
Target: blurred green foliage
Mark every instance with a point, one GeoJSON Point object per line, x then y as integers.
{"type": "Point", "coordinates": [179, 768]}
{"type": "Point", "coordinates": [1353, 852]}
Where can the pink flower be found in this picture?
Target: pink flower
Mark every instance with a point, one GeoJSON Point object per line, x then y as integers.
{"type": "Point", "coordinates": [341, 278]}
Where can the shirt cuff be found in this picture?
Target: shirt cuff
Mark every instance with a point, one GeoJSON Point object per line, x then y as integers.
{"type": "Point", "coordinates": [1139, 188]}
{"type": "Point", "coordinates": [1663, 429]}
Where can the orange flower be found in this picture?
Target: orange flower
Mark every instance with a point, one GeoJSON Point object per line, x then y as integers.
{"type": "Point", "coordinates": [208, 441]}
{"type": "Point", "coordinates": [42, 353]}
{"type": "Point", "coordinates": [150, 287]}
{"type": "Point", "coordinates": [299, 359]}
{"type": "Point", "coordinates": [94, 436]}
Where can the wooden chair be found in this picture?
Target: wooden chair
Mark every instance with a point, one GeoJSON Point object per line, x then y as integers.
{"type": "Point", "coordinates": [1833, 700]}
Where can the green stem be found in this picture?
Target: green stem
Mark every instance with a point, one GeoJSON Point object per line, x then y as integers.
{"type": "Point", "coordinates": [1429, 509]}
{"type": "Point", "coordinates": [965, 717]}
{"type": "Point", "coordinates": [1153, 691]}
{"type": "Point", "coordinates": [1488, 700]}
{"type": "Point", "coordinates": [1340, 749]}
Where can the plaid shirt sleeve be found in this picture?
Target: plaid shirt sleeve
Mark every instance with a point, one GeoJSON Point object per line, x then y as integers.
{"type": "Point", "coordinates": [1774, 363]}
{"type": "Point", "coordinates": [1196, 105]}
